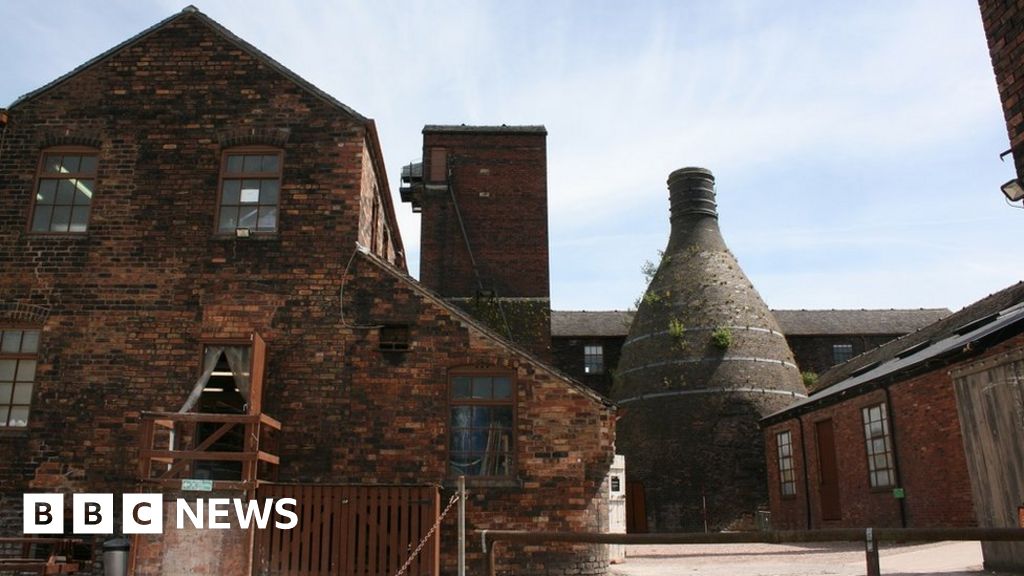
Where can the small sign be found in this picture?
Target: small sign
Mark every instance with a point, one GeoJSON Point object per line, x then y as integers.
{"type": "Point", "coordinates": [196, 485]}
{"type": "Point", "coordinates": [898, 493]}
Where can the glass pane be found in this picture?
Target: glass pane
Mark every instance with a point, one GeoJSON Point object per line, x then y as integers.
{"type": "Point", "coordinates": [4, 411]}
{"type": "Point", "coordinates": [252, 164]}
{"type": "Point", "coordinates": [459, 440]}
{"type": "Point", "coordinates": [250, 191]}
{"type": "Point", "coordinates": [88, 165]}
{"type": "Point", "coordinates": [5, 392]}
{"type": "Point", "coordinates": [71, 163]}
{"type": "Point", "coordinates": [65, 191]}
{"type": "Point", "coordinates": [502, 387]}
{"type": "Point", "coordinates": [83, 191]}
{"type": "Point", "coordinates": [267, 221]}
{"type": "Point", "coordinates": [30, 341]}
{"type": "Point", "coordinates": [11, 342]}
{"type": "Point", "coordinates": [47, 192]}
{"type": "Point", "coordinates": [19, 416]}
{"type": "Point", "coordinates": [230, 194]}
{"type": "Point", "coordinates": [7, 373]}
{"type": "Point", "coordinates": [270, 163]}
{"type": "Point", "coordinates": [460, 387]}
{"type": "Point", "coordinates": [26, 371]}
{"type": "Point", "coordinates": [228, 219]}
{"type": "Point", "coordinates": [52, 164]}
{"type": "Point", "coordinates": [481, 387]}
{"type": "Point", "coordinates": [22, 393]}
{"type": "Point", "coordinates": [234, 164]}
{"type": "Point", "coordinates": [269, 191]}
{"type": "Point", "coordinates": [79, 219]}
{"type": "Point", "coordinates": [41, 219]}
{"type": "Point", "coordinates": [461, 416]}
{"type": "Point", "coordinates": [247, 217]}
{"type": "Point", "coordinates": [502, 416]}
{"type": "Point", "coordinates": [61, 219]}
{"type": "Point", "coordinates": [878, 446]}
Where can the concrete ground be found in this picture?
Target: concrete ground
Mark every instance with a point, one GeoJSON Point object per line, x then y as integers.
{"type": "Point", "coordinates": [838, 559]}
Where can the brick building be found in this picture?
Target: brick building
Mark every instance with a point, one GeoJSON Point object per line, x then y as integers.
{"type": "Point", "coordinates": [586, 344]}
{"type": "Point", "coordinates": [865, 449]}
{"type": "Point", "coordinates": [159, 207]}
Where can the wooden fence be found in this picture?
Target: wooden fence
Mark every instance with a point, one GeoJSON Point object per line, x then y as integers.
{"type": "Point", "coordinates": [350, 531]}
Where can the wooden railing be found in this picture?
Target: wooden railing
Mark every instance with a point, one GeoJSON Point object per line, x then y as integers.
{"type": "Point", "coordinates": [40, 555]}
{"type": "Point", "coordinates": [230, 450]}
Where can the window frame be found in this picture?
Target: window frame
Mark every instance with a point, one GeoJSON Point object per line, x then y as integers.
{"type": "Point", "coordinates": [260, 150]}
{"type": "Point", "coordinates": [787, 463]}
{"type": "Point", "coordinates": [9, 403]}
{"type": "Point", "coordinates": [588, 356]}
{"type": "Point", "coordinates": [871, 455]}
{"type": "Point", "coordinates": [845, 346]}
{"type": "Point", "coordinates": [42, 175]}
{"type": "Point", "coordinates": [513, 467]}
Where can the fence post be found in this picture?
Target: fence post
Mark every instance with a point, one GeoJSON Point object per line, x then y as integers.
{"type": "Point", "coordinates": [871, 552]}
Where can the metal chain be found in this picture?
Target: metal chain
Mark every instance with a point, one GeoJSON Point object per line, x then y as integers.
{"type": "Point", "coordinates": [416, 552]}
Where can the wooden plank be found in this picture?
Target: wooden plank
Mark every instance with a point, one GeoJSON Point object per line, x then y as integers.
{"type": "Point", "coordinates": [394, 532]}
{"type": "Point", "coordinates": [313, 532]}
{"type": "Point", "coordinates": [353, 525]}
{"type": "Point", "coordinates": [199, 455]}
{"type": "Point", "coordinates": [194, 417]}
{"type": "Point", "coordinates": [258, 360]}
{"type": "Point", "coordinates": [373, 522]}
{"type": "Point", "coordinates": [276, 542]}
{"type": "Point", "coordinates": [324, 564]}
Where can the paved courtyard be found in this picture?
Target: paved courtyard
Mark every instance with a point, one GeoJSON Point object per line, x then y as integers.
{"type": "Point", "coordinates": [839, 559]}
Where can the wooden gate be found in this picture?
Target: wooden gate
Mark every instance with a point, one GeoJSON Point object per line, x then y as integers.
{"type": "Point", "coordinates": [350, 531]}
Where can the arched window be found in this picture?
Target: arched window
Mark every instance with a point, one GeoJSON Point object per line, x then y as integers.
{"type": "Point", "coordinates": [64, 190]}
{"type": "Point", "coordinates": [250, 187]}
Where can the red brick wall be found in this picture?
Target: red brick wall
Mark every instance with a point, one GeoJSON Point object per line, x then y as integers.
{"type": "Point", "coordinates": [1004, 29]}
{"type": "Point", "coordinates": [929, 452]}
{"type": "Point", "coordinates": [500, 182]}
{"type": "Point", "coordinates": [131, 302]}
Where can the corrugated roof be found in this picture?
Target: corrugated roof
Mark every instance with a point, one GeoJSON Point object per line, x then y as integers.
{"type": "Point", "coordinates": [793, 322]}
{"type": "Point", "coordinates": [817, 322]}
{"type": "Point", "coordinates": [957, 333]}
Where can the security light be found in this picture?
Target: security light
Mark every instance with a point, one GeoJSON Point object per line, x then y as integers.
{"type": "Point", "coordinates": [1013, 190]}
{"type": "Point", "coordinates": [242, 232]}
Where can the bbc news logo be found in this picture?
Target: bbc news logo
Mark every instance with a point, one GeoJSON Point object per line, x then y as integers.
{"type": "Point", "coordinates": [144, 513]}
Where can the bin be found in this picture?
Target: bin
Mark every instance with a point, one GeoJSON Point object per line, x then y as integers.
{"type": "Point", "coordinates": [115, 557]}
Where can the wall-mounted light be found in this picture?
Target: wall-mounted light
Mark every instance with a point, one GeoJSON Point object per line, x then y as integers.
{"type": "Point", "coordinates": [242, 232]}
{"type": "Point", "coordinates": [1013, 190]}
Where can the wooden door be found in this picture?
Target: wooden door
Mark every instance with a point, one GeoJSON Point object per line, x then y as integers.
{"type": "Point", "coordinates": [828, 471]}
{"type": "Point", "coordinates": [636, 507]}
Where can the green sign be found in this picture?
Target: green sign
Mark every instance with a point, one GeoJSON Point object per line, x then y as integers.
{"type": "Point", "coordinates": [898, 493]}
{"type": "Point", "coordinates": [196, 485]}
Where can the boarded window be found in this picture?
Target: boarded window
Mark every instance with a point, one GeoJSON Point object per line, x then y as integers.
{"type": "Point", "coordinates": [438, 165]}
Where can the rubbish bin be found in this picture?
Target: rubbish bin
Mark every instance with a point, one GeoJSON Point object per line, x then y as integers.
{"type": "Point", "coordinates": [115, 557]}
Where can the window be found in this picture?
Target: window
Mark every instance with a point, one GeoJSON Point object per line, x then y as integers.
{"type": "Point", "coordinates": [394, 338]}
{"type": "Point", "coordinates": [250, 188]}
{"type": "Point", "coordinates": [482, 416]}
{"type": "Point", "coordinates": [879, 447]}
{"type": "Point", "coordinates": [593, 359]}
{"type": "Point", "coordinates": [787, 481]}
{"type": "Point", "coordinates": [18, 349]}
{"type": "Point", "coordinates": [841, 353]}
{"type": "Point", "coordinates": [65, 184]}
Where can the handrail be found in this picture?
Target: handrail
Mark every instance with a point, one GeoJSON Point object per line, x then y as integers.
{"type": "Point", "coordinates": [870, 537]}
{"type": "Point", "coordinates": [172, 440]}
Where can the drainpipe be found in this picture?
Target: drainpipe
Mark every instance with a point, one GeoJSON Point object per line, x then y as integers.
{"type": "Point", "coordinates": [895, 454]}
{"type": "Point", "coordinates": [807, 482]}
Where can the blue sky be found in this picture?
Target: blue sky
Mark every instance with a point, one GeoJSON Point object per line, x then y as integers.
{"type": "Point", "coordinates": [855, 144]}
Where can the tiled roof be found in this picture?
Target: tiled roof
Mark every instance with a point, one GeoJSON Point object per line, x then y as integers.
{"type": "Point", "coordinates": [964, 331]}
{"type": "Point", "coordinates": [817, 322]}
{"type": "Point", "coordinates": [793, 322]}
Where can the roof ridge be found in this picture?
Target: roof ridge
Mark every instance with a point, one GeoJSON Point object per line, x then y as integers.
{"type": "Point", "coordinates": [187, 12]}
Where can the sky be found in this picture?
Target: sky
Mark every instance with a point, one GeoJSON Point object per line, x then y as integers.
{"type": "Point", "coordinates": [855, 145]}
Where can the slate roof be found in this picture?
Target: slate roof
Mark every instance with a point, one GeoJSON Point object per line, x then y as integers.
{"type": "Point", "coordinates": [818, 322]}
{"type": "Point", "coordinates": [965, 332]}
{"type": "Point", "coordinates": [606, 323]}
